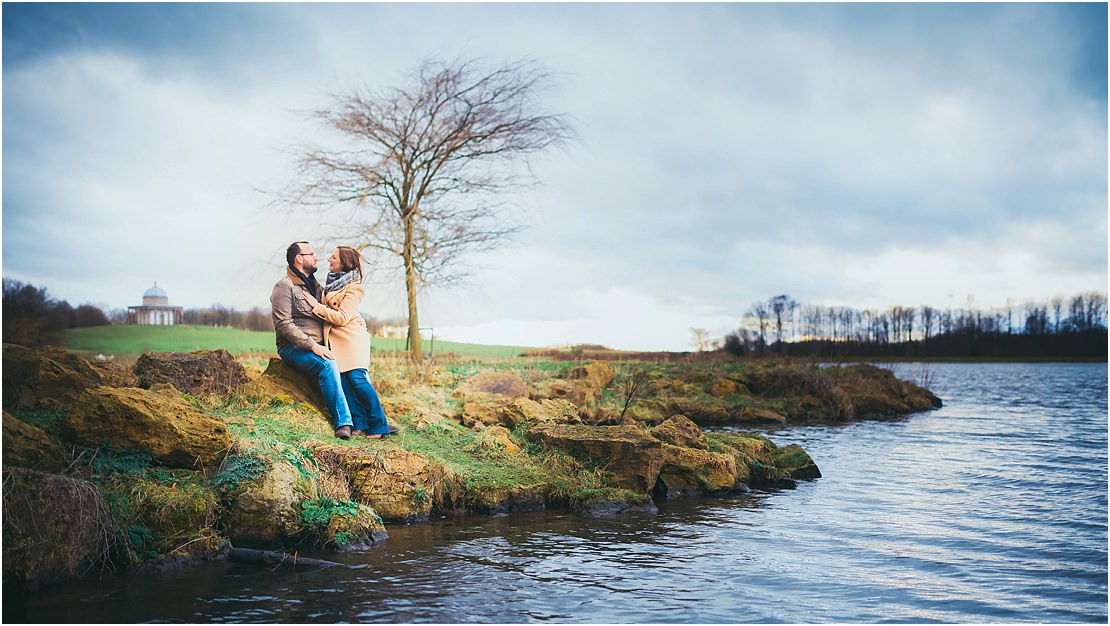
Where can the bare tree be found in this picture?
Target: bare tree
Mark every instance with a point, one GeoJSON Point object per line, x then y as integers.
{"type": "Point", "coordinates": [635, 382]}
{"type": "Point", "coordinates": [427, 164]}
{"type": "Point", "coordinates": [762, 316]}
{"type": "Point", "coordinates": [700, 339]}
{"type": "Point", "coordinates": [782, 307]}
{"type": "Point", "coordinates": [928, 318]}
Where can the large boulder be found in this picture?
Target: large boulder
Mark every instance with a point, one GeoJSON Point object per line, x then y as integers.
{"type": "Point", "coordinates": [498, 438]}
{"type": "Point", "coordinates": [632, 456]}
{"type": "Point", "coordinates": [755, 457]}
{"type": "Point", "coordinates": [795, 460]}
{"type": "Point", "coordinates": [727, 388]}
{"type": "Point", "coordinates": [597, 374]}
{"type": "Point", "coordinates": [353, 528]}
{"type": "Point", "coordinates": [529, 413]}
{"type": "Point", "coordinates": [201, 373]}
{"type": "Point", "coordinates": [266, 511]}
{"type": "Point", "coordinates": [399, 484]}
{"type": "Point", "coordinates": [52, 378]}
{"type": "Point", "coordinates": [180, 516]}
{"type": "Point", "coordinates": [485, 395]}
{"type": "Point", "coordinates": [582, 387]}
{"type": "Point", "coordinates": [515, 499]}
{"type": "Point", "coordinates": [173, 430]}
{"type": "Point", "coordinates": [480, 410]}
{"type": "Point", "coordinates": [577, 392]}
{"type": "Point", "coordinates": [680, 431]}
{"type": "Point", "coordinates": [507, 384]}
{"type": "Point", "coordinates": [55, 528]}
{"type": "Point", "coordinates": [30, 447]}
{"type": "Point", "coordinates": [280, 384]}
{"type": "Point", "coordinates": [760, 416]}
{"type": "Point", "coordinates": [695, 471]}
{"type": "Point", "coordinates": [688, 466]}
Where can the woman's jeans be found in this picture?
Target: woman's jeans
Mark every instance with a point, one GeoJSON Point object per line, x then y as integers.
{"type": "Point", "coordinates": [326, 372]}
{"type": "Point", "coordinates": [366, 408]}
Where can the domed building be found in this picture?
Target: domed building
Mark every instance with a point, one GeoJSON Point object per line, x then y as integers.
{"type": "Point", "coordinates": [155, 309]}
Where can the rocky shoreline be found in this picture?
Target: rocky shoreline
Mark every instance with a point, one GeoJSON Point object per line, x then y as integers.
{"type": "Point", "coordinates": [186, 455]}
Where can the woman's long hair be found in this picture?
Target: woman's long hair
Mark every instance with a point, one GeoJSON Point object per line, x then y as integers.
{"type": "Point", "coordinates": [350, 259]}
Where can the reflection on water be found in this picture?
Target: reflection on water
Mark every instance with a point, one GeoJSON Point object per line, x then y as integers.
{"type": "Point", "coordinates": [993, 508]}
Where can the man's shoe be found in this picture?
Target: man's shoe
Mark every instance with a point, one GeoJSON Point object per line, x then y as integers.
{"type": "Point", "coordinates": [393, 429]}
{"type": "Point", "coordinates": [343, 432]}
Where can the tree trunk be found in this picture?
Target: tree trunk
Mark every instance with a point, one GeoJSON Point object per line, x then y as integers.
{"type": "Point", "coordinates": [415, 351]}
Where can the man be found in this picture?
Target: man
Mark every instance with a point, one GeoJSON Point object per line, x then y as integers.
{"type": "Point", "coordinates": [300, 334]}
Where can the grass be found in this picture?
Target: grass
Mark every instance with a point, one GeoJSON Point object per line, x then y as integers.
{"type": "Point", "coordinates": [130, 341]}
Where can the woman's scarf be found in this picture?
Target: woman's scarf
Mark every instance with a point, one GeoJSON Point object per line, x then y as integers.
{"type": "Point", "coordinates": [339, 280]}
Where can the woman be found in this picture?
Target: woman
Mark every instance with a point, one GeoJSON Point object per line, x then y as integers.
{"type": "Point", "coordinates": [349, 341]}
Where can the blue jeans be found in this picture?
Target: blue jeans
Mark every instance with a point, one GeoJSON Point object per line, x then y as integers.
{"type": "Point", "coordinates": [366, 407]}
{"type": "Point", "coordinates": [326, 372]}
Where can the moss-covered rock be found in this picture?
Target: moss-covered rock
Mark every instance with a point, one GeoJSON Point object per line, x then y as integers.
{"type": "Point", "coordinates": [480, 410]}
{"type": "Point", "coordinates": [796, 461]}
{"type": "Point", "coordinates": [515, 499]}
{"type": "Point", "coordinates": [597, 374]}
{"type": "Point", "coordinates": [173, 430]}
{"type": "Point", "coordinates": [500, 438]}
{"type": "Point", "coordinates": [727, 388]}
{"type": "Point", "coordinates": [279, 384]}
{"type": "Point", "coordinates": [680, 431]}
{"type": "Point", "coordinates": [53, 378]}
{"type": "Point", "coordinates": [55, 528]}
{"type": "Point", "coordinates": [200, 373]}
{"type": "Point", "coordinates": [632, 457]}
{"type": "Point", "coordinates": [30, 447]}
{"type": "Point", "coordinates": [876, 393]}
{"type": "Point", "coordinates": [526, 413]}
{"type": "Point", "coordinates": [507, 384]}
{"type": "Point", "coordinates": [760, 416]}
{"type": "Point", "coordinates": [355, 530]}
{"type": "Point", "coordinates": [399, 484]}
{"type": "Point", "coordinates": [266, 511]}
{"type": "Point", "coordinates": [758, 454]}
{"type": "Point", "coordinates": [695, 472]}
{"type": "Point", "coordinates": [341, 524]}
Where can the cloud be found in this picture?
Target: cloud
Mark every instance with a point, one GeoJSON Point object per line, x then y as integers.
{"type": "Point", "coordinates": [729, 152]}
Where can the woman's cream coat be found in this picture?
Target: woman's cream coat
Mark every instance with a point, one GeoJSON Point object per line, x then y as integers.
{"type": "Point", "coordinates": [349, 342]}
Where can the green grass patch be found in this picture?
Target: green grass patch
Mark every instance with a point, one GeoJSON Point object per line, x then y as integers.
{"type": "Point", "coordinates": [134, 340]}
{"type": "Point", "coordinates": [129, 340]}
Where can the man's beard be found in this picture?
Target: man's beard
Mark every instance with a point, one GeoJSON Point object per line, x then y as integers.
{"type": "Point", "coordinates": [310, 268]}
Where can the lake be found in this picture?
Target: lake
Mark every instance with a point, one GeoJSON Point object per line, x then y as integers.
{"type": "Point", "coordinates": [990, 509]}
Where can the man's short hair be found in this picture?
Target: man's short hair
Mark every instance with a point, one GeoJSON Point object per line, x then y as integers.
{"type": "Point", "coordinates": [293, 250]}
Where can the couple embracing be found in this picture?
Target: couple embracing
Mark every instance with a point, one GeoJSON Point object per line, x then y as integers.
{"type": "Point", "coordinates": [321, 335]}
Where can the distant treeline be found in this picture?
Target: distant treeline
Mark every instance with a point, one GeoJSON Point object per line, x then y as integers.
{"type": "Point", "coordinates": [258, 318]}
{"type": "Point", "coordinates": [216, 315]}
{"type": "Point", "coordinates": [32, 318]}
{"type": "Point", "coordinates": [1060, 327]}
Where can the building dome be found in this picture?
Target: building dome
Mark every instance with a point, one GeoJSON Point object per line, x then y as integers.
{"type": "Point", "coordinates": [155, 295]}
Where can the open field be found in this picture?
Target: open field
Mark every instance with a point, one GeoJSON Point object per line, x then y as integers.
{"type": "Point", "coordinates": [130, 341]}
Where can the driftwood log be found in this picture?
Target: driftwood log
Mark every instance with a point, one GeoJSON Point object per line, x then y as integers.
{"type": "Point", "coordinates": [274, 559]}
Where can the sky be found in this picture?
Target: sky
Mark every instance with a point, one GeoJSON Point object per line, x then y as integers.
{"type": "Point", "coordinates": [862, 155]}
